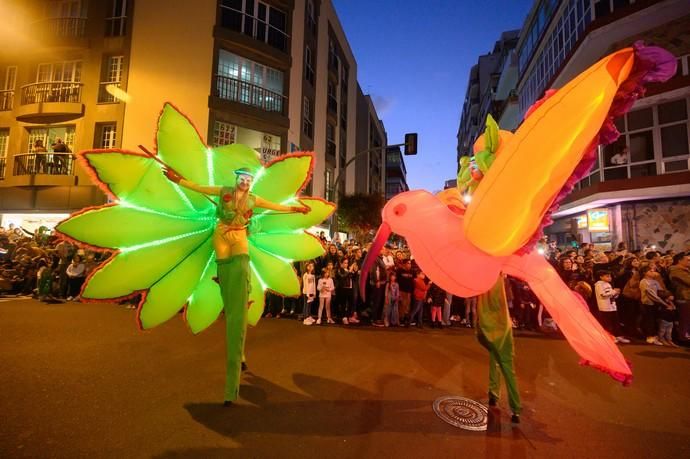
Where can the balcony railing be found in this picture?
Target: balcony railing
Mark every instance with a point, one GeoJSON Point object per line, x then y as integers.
{"type": "Point", "coordinates": [44, 163]}
{"type": "Point", "coordinates": [6, 100]}
{"type": "Point", "coordinates": [63, 27]}
{"type": "Point", "coordinates": [52, 91]}
{"type": "Point", "coordinates": [249, 94]}
{"type": "Point", "coordinates": [3, 161]}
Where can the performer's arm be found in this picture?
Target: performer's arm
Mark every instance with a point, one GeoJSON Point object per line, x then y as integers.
{"type": "Point", "coordinates": [264, 204]}
{"type": "Point", "coordinates": [177, 178]}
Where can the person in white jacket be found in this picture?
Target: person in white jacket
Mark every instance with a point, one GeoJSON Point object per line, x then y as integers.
{"type": "Point", "coordinates": [325, 288]}
{"type": "Point", "coordinates": [308, 293]}
{"type": "Point", "coordinates": [608, 312]}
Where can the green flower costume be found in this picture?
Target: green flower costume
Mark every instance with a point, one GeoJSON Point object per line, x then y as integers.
{"type": "Point", "coordinates": [161, 233]}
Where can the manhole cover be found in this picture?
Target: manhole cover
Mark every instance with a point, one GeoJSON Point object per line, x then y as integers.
{"type": "Point", "coordinates": [461, 412]}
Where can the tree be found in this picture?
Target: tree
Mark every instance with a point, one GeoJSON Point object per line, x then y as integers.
{"type": "Point", "coordinates": [360, 213]}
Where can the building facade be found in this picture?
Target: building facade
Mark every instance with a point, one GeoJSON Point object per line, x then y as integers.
{"type": "Point", "coordinates": [276, 75]}
{"type": "Point", "coordinates": [490, 90]}
{"type": "Point", "coordinates": [638, 192]}
{"type": "Point", "coordinates": [396, 173]}
{"type": "Point", "coordinates": [60, 64]}
{"type": "Point", "coordinates": [370, 167]}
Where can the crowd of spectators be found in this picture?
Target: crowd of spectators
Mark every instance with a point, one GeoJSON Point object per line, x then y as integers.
{"type": "Point", "coordinates": [40, 265]}
{"type": "Point", "coordinates": [637, 295]}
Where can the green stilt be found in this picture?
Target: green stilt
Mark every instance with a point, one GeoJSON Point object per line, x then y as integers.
{"type": "Point", "coordinates": [495, 333]}
{"type": "Point", "coordinates": [233, 277]}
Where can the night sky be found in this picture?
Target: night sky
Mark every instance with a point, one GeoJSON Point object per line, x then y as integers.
{"type": "Point", "coordinates": [413, 58]}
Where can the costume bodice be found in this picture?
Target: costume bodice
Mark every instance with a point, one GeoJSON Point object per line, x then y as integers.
{"type": "Point", "coordinates": [228, 213]}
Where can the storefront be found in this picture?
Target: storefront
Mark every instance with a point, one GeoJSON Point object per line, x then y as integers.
{"type": "Point", "coordinates": [31, 222]}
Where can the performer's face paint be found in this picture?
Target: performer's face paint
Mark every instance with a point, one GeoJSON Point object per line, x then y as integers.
{"type": "Point", "coordinates": [244, 182]}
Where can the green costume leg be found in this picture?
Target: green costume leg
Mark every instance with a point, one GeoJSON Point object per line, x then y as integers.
{"type": "Point", "coordinates": [233, 277]}
{"type": "Point", "coordinates": [494, 377]}
{"type": "Point", "coordinates": [495, 333]}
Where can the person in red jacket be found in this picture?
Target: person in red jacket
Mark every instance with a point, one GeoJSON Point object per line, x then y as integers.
{"type": "Point", "coordinates": [419, 295]}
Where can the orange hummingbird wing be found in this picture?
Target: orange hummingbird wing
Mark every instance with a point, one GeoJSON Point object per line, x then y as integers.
{"type": "Point", "coordinates": [532, 166]}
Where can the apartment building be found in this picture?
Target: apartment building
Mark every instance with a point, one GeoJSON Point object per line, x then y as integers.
{"type": "Point", "coordinates": [60, 64]}
{"type": "Point", "coordinates": [276, 75]}
{"type": "Point", "coordinates": [638, 192]}
{"type": "Point", "coordinates": [490, 90]}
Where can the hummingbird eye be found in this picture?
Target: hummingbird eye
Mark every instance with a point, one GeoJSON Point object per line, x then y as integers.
{"type": "Point", "coordinates": [400, 210]}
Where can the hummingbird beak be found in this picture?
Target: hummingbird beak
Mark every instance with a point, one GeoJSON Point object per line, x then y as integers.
{"type": "Point", "coordinates": [379, 241]}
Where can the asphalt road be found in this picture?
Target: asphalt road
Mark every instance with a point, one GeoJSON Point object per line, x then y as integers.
{"type": "Point", "coordinates": [79, 380]}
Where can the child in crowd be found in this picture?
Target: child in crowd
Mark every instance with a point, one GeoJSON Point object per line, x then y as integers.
{"type": "Point", "coordinates": [651, 303]}
{"type": "Point", "coordinates": [392, 298]}
{"type": "Point", "coordinates": [667, 315]}
{"type": "Point", "coordinates": [325, 288]}
{"type": "Point", "coordinates": [437, 296]}
{"type": "Point", "coordinates": [419, 295]}
{"type": "Point", "coordinates": [608, 312]}
{"type": "Point", "coordinates": [309, 293]}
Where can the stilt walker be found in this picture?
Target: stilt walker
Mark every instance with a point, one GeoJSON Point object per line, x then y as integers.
{"type": "Point", "coordinates": [206, 248]}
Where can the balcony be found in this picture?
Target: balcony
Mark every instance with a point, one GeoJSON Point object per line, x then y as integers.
{"type": "Point", "coordinates": [53, 98]}
{"type": "Point", "coordinates": [68, 33]}
{"type": "Point", "coordinates": [6, 100]}
{"type": "Point", "coordinates": [43, 163]}
{"type": "Point", "coordinates": [3, 161]}
{"type": "Point", "coordinates": [235, 90]}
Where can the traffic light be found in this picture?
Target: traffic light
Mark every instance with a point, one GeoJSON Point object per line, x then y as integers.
{"type": "Point", "coordinates": [411, 143]}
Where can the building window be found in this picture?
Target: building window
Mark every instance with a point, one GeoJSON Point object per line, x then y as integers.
{"type": "Point", "coordinates": [330, 141]}
{"type": "Point", "coordinates": [223, 133]}
{"type": "Point", "coordinates": [569, 28]}
{"type": "Point", "coordinates": [307, 123]}
{"type": "Point", "coordinates": [654, 140]}
{"type": "Point", "coordinates": [116, 22]}
{"type": "Point", "coordinates": [242, 80]}
{"type": "Point", "coordinates": [7, 90]}
{"type": "Point", "coordinates": [106, 135]}
{"type": "Point", "coordinates": [4, 143]}
{"type": "Point", "coordinates": [256, 19]}
{"type": "Point", "coordinates": [49, 135]}
{"type": "Point", "coordinates": [332, 98]}
{"type": "Point", "coordinates": [111, 78]}
{"type": "Point", "coordinates": [309, 66]}
{"type": "Point", "coordinates": [311, 17]}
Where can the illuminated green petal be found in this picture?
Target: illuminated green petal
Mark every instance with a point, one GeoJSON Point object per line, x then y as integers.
{"type": "Point", "coordinates": [228, 158]}
{"type": "Point", "coordinates": [276, 273]}
{"type": "Point", "coordinates": [117, 226]}
{"type": "Point", "coordinates": [281, 222]}
{"type": "Point", "coordinates": [138, 180]}
{"type": "Point", "coordinates": [167, 296]}
{"type": "Point", "coordinates": [206, 302]}
{"type": "Point", "coordinates": [180, 146]}
{"type": "Point", "coordinates": [283, 178]}
{"type": "Point", "coordinates": [138, 268]}
{"type": "Point", "coordinates": [257, 299]}
{"type": "Point", "coordinates": [294, 246]}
